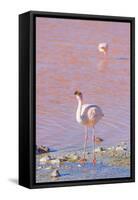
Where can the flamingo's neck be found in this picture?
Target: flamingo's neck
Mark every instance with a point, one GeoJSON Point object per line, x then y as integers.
{"type": "Point", "coordinates": [78, 113]}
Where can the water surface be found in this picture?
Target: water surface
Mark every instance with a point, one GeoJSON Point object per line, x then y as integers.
{"type": "Point", "coordinates": [67, 59]}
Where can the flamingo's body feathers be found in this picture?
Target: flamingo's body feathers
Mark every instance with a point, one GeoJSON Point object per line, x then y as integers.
{"type": "Point", "coordinates": [90, 114]}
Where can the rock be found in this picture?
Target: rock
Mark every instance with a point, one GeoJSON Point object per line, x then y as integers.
{"type": "Point", "coordinates": [125, 148]}
{"type": "Point", "coordinates": [39, 167]}
{"type": "Point", "coordinates": [55, 173]}
{"type": "Point", "coordinates": [100, 149]}
{"type": "Point", "coordinates": [42, 149]}
{"type": "Point", "coordinates": [111, 148]}
{"type": "Point", "coordinates": [119, 148]}
{"type": "Point", "coordinates": [50, 167]}
{"type": "Point", "coordinates": [119, 161]}
{"type": "Point", "coordinates": [72, 158]}
{"type": "Point", "coordinates": [55, 161]}
{"type": "Point", "coordinates": [98, 140]}
{"type": "Point", "coordinates": [122, 147]}
{"type": "Point", "coordinates": [97, 150]}
{"type": "Point", "coordinates": [62, 158]}
{"type": "Point", "coordinates": [45, 159]}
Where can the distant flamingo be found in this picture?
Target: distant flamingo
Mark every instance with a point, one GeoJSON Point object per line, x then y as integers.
{"type": "Point", "coordinates": [87, 115]}
{"type": "Point", "coordinates": [103, 47]}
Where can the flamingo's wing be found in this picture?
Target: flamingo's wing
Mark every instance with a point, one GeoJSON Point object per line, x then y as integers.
{"type": "Point", "coordinates": [91, 111]}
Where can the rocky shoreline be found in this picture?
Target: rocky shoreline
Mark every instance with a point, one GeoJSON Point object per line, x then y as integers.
{"type": "Point", "coordinates": [52, 162]}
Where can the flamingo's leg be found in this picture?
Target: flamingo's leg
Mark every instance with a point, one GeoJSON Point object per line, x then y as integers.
{"type": "Point", "coordinates": [83, 159]}
{"type": "Point", "coordinates": [93, 139]}
{"type": "Point", "coordinates": [85, 142]}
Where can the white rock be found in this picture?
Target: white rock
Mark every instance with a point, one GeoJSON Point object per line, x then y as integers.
{"type": "Point", "coordinates": [55, 161]}
{"type": "Point", "coordinates": [44, 159]}
{"type": "Point", "coordinates": [39, 167]}
{"type": "Point", "coordinates": [100, 149]}
{"type": "Point", "coordinates": [50, 167]}
{"type": "Point", "coordinates": [97, 150]}
{"type": "Point", "coordinates": [55, 173]}
{"type": "Point", "coordinates": [111, 148]}
{"type": "Point", "coordinates": [119, 148]}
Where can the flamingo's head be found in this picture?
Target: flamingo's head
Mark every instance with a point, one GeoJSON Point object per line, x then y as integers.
{"type": "Point", "coordinates": [103, 47]}
{"type": "Point", "coordinates": [78, 95]}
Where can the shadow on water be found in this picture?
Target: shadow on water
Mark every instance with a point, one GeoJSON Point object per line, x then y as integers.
{"type": "Point", "coordinates": [53, 150]}
{"type": "Point", "coordinates": [50, 151]}
{"type": "Point", "coordinates": [117, 58]}
{"type": "Point", "coordinates": [122, 58]}
{"type": "Point", "coordinates": [64, 174]}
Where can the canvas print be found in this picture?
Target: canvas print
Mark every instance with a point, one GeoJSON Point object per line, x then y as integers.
{"type": "Point", "coordinates": [82, 99]}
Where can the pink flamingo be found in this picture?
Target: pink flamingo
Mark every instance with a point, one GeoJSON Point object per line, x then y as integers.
{"type": "Point", "coordinates": [103, 47]}
{"type": "Point", "coordinates": [87, 115]}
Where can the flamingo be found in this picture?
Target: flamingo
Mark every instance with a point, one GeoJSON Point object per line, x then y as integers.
{"type": "Point", "coordinates": [87, 115]}
{"type": "Point", "coordinates": [103, 47]}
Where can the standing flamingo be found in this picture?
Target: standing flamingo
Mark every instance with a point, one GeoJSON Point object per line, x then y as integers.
{"type": "Point", "coordinates": [87, 115]}
{"type": "Point", "coordinates": [103, 47]}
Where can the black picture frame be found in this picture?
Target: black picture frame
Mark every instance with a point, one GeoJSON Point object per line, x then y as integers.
{"type": "Point", "coordinates": [27, 90]}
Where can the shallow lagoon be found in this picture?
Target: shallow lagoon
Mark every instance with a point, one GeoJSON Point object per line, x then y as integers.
{"type": "Point", "coordinates": [106, 167]}
{"type": "Point", "coordinates": [67, 59]}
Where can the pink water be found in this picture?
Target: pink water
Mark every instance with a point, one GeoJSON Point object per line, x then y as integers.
{"type": "Point", "coordinates": [67, 59]}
